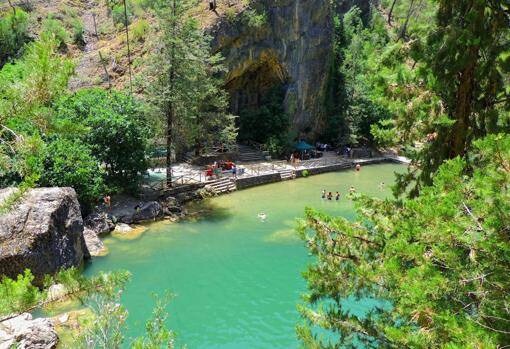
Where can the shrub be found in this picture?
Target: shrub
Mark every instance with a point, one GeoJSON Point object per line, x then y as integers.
{"type": "Point", "coordinates": [116, 131]}
{"type": "Point", "coordinates": [267, 121]}
{"type": "Point", "coordinates": [54, 28]}
{"type": "Point", "coordinates": [78, 32]}
{"type": "Point", "coordinates": [19, 294]}
{"type": "Point", "coordinates": [254, 19]}
{"type": "Point", "coordinates": [119, 17]}
{"type": "Point", "coordinates": [140, 29]}
{"type": "Point", "coordinates": [305, 173]}
{"type": "Point", "coordinates": [13, 34]}
{"type": "Point", "coordinates": [70, 163]}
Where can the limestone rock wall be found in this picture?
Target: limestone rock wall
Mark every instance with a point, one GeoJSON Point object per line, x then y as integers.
{"type": "Point", "coordinates": [293, 47]}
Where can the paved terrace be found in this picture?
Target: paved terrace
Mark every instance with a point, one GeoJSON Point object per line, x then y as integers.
{"type": "Point", "coordinates": [184, 173]}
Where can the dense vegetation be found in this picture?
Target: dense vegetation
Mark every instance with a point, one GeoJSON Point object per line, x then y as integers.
{"type": "Point", "coordinates": [428, 78]}
{"type": "Point", "coordinates": [438, 256]}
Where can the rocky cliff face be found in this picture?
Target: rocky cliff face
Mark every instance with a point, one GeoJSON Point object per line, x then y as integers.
{"type": "Point", "coordinates": [292, 46]}
{"type": "Point", "coordinates": [43, 232]}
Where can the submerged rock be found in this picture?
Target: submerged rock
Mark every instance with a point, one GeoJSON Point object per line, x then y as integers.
{"type": "Point", "coordinates": [24, 332]}
{"type": "Point", "coordinates": [126, 232]}
{"type": "Point", "coordinates": [42, 232]}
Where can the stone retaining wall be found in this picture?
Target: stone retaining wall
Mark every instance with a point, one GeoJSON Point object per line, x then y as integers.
{"type": "Point", "coordinates": [247, 182]}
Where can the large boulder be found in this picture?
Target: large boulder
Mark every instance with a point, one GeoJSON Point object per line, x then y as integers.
{"type": "Point", "coordinates": [100, 222]}
{"type": "Point", "coordinates": [147, 211]}
{"type": "Point", "coordinates": [42, 232]}
{"type": "Point", "coordinates": [24, 332]}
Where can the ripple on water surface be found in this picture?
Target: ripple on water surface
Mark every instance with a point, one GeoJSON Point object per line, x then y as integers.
{"type": "Point", "coordinates": [237, 279]}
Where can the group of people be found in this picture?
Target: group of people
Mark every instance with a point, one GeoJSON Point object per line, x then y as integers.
{"type": "Point", "coordinates": [218, 167]}
{"type": "Point", "coordinates": [329, 195]}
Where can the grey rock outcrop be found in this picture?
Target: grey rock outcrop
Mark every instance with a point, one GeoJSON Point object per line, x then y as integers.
{"type": "Point", "coordinates": [147, 211]}
{"type": "Point", "coordinates": [292, 46]}
{"type": "Point", "coordinates": [94, 244]}
{"type": "Point", "coordinates": [99, 222]}
{"type": "Point", "coordinates": [42, 232]}
{"type": "Point", "coordinates": [24, 332]}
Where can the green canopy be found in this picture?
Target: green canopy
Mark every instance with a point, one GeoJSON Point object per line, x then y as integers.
{"type": "Point", "coordinates": [302, 146]}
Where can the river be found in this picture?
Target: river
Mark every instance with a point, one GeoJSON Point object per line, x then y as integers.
{"type": "Point", "coordinates": [236, 279]}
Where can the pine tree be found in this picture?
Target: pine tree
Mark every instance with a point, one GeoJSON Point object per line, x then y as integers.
{"type": "Point", "coordinates": [185, 89]}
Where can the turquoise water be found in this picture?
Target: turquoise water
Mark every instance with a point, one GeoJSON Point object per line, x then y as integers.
{"type": "Point", "coordinates": [236, 279]}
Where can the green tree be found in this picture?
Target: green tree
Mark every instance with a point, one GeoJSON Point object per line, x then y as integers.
{"type": "Point", "coordinates": [113, 125]}
{"type": "Point", "coordinates": [70, 164]}
{"type": "Point", "coordinates": [184, 90]}
{"type": "Point", "coordinates": [13, 34]}
{"type": "Point", "coordinates": [267, 121]}
{"type": "Point", "coordinates": [441, 259]}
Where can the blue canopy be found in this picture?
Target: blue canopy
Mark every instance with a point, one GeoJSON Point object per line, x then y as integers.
{"type": "Point", "coordinates": [302, 146]}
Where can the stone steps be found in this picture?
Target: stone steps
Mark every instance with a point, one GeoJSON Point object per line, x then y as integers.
{"type": "Point", "coordinates": [287, 174]}
{"type": "Point", "coordinates": [225, 185]}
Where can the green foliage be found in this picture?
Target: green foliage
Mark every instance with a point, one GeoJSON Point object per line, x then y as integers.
{"type": "Point", "coordinates": [53, 28]}
{"type": "Point", "coordinates": [13, 34]}
{"type": "Point", "coordinates": [269, 120]}
{"type": "Point", "coordinates": [119, 17]}
{"type": "Point", "coordinates": [442, 259]}
{"type": "Point", "coordinates": [27, 89]}
{"type": "Point", "coordinates": [140, 29]}
{"type": "Point", "coordinates": [305, 173]}
{"type": "Point", "coordinates": [254, 18]}
{"type": "Point", "coordinates": [113, 127]}
{"type": "Point", "coordinates": [157, 335]}
{"type": "Point", "coordinates": [70, 164]}
{"type": "Point", "coordinates": [186, 93]}
{"type": "Point", "coordinates": [78, 32]}
{"type": "Point", "coordinates": [18, 294]}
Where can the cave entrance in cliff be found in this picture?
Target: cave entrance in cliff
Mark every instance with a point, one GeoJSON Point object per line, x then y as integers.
{"type": "Point", "coordinates": [258, 93]}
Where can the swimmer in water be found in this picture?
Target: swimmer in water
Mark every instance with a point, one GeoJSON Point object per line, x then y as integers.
{"type": "Point", "coordinates": [330, 196]}
{"type": "Point", "coordinates": [262, 216]}
{"type": "Point", "coordinates": [323, 193]}
{"type": "Point", "coordinates": [381, 185]}
{"type": "Point", "coordinates": [337, 196]}
{"type": "Point", "coordinates": [352, 190]}
{"type": "Point", "coordinates": [358, 167]}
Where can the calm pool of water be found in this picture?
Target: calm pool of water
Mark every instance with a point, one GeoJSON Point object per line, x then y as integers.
{"type": "Point", "coordinates": [237, 280]}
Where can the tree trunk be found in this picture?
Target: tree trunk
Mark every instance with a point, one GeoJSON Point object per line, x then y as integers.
{"type": "Point", "coordinates": [170, 114]}
{"type": "Point", "coordinates": [463, 105]}
{"type": "Point", "coordinates": [391, 12]}
{"type": "Point", "coordinates": [403, 32]}
{"type": "Point", "coordinates": [169, 141]}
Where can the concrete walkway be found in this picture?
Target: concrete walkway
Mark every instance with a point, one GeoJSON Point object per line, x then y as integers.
{"type": "Point", "coordinates": [184, 173]}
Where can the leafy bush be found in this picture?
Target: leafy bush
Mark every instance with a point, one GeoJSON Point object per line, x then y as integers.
{"type": "Point", "coordinates": [119, 17]}
{"type": "Point", "coordinates": [54, 28]}
{"type": "Point", "coordinates": [140, 30]}
{"type": "Point", "coordinates": [254, 19]}
{"type": "Point", "coordinates": [70, 164]}
{"type": "Point", "coordinates": [18, 294]}
{"type": "Point", "coordinates": [260, 124]}
{"type": "Point", "coordinates": [13, 34]}
{"type": "Point", "coordinates": [78, 32]}
{"type": "Point", "coordinates": [115, 131]}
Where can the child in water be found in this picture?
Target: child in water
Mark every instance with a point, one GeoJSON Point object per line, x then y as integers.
{"type": "Point", "coordinates": [330, 196]}
{"type": "Point", "coordinates": [337, 196]}
{"type": "Point", "coordinates": [323, 193]}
